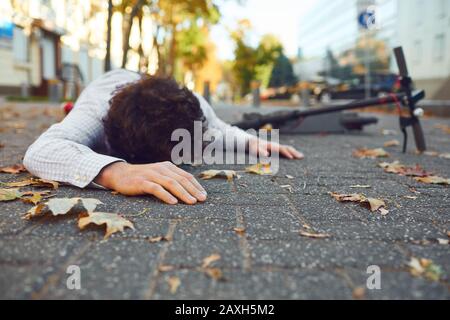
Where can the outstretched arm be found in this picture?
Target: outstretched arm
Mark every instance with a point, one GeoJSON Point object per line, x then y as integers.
{"type": "Point", "coordinates": [255, 145]}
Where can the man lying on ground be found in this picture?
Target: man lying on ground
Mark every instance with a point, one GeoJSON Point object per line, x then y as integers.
{"type": "Point", "coordinates": [129, 120]}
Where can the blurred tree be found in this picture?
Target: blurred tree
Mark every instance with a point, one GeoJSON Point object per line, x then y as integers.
{"type": "Point", "coordinates": [109, 36]}
{"type": "Point", "coordinates": [282, 73]}
{"type": "Point", "coordinates": [253, 64]}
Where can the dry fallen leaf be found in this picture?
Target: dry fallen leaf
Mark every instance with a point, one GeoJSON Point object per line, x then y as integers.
{"type": "Point", "coordinates": [223, 174]}
{"type": "Point", "coordinates": [374, 204]}
{"type": "Point", "coordinates": [403, 170]}
{"type": "Point", "coordinates": [15, 169]}
{"type": "Point", "coordinates": [359, 293]}
{"type": "Point", "coordinates": [165, 268]}
{"type": "Point", "coordinates": [290, 177]}
{"type": "Point", "coordinates": [361, 187]}
{"type": "Point", "coordinates": [35, 197]}
{"type": "Point", "coordinates": [35, 183]}
{"type": "Point", "coordinates": [174, 283]}
{"type": "Point", "coordinates": [425, 268]}
{"type": "Point", "coordinates": [260, 169]}
{"type": "Point", "coordinates": [214, 273]}
{"type": "Point", "coordinates": [443, 241]}
{"type": "Point", "coordinates": [411, 197]}
{"type": "Point", "coordinates": [239, 231]}
{"type": "Point", "coordinates": [10, 194]}
{"type": "Point", "coordinates": [114, 222]}
{"type": "Point", "coordinates": [431, 153]}
{"type": "Point", "coordinates": [209, 260]}
{"type": "Point", "coordinates": [268, 127]}
{"type": "Point", "coordinates": [61, 206]}
{"type": "Point", "coordinates": [433, 180]}
{"type": "Point", "coordinates": [391, 143]}
{"type": "Point", "coordinates": [370, 153]}
{"type": "Point", "coordinates": [157, 239]}
{"type": "Point", "coordinates": [314, 235]}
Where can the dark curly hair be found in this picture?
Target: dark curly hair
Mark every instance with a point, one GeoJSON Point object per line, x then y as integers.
{"type": "Point", "coordinates": [144, 114]}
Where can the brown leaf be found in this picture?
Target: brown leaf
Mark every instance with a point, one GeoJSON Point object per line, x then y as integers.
{"type": "Point", "coordinates": [223, 174]}
{"type": "Point", "coordinates": [370, 153]}
{"type": "Point", "coordinates": [9, 194]}
{"type": "Point", "coordinates": [34, 197]}
{"type": "Point", "coordinates": [214, 273]}
{"type": "Point", "coordinates": [314, 235]}
{"type": "Point", "coordinates": [374, 204]}
{"type": "Point", "coordinates": [165, 268]}
{"type": "Point", "coordinates": [354, 197]}
{"type": "Point", "coordinates": [158, 239]}
{"type": "Point", "coordinates": [35, 183]}
{"type": "Point", "coordinates": [61, 206]}
{"type": "Point", "coordinates": [15, 169]}
{"type": "Point", "coordinates": [209, 260]}
{"type": "Point", "coordinates": [240, 231]}
{"type": "Point", "coordinates": [114, 223]}
{"type": "Point", "coordinates": [359, 293]}
{"type": "Point", "coordinates": [403, 170]}
{"type": "Point", "coordinates": [260, 169]}
{"type": "Point", "coordinates": [433, 180]}
{"type": "Point", "coordinates": [391, 143]}
{"type": "Point", "coordinates": [174, 284]}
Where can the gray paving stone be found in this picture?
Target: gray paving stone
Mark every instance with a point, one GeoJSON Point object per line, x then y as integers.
{"type": "Point", "coordinates": [325, 254]}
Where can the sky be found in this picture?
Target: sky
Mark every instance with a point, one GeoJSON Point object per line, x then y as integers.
{"type": "Point", "coordinates": [279, 17]}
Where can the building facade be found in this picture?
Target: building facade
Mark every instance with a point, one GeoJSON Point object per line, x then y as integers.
{"type": "Point", "coordinates": [422, 27]}
{"type": "Point", "coordinates": [38, 38]}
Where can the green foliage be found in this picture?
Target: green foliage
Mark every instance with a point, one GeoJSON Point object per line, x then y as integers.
{"type": "Point", "coordinates": [254, 64]}
{"type": "Point", "coordinates": [282, 73]}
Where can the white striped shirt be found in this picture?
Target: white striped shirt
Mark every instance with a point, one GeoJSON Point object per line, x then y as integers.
{"type": "Point", "coordinates": [75, 150]}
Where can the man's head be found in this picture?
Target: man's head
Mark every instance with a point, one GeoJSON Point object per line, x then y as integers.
{"type": "Point", "coordinates": [144, 114]}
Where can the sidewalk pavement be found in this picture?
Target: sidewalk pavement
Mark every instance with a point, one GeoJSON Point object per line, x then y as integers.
{"type": "Point", "coordinates": [270, 260]}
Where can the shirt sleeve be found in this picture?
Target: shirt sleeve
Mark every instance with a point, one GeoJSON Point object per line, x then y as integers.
{"type": "Point", "coordinates": [229, 132]}
{"type": "Point", "coordinates": [63, 153]}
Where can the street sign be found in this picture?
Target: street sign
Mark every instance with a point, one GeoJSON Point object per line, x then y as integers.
{"type": "Point", "coordinates": [367, 18]}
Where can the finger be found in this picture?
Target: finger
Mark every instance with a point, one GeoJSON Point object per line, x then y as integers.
{"type": "Point", "coordinates": [159, 192]}
{"type": "Point", "coordinates": [187, 185]}
{"type": "Point", "coordinates": [188, 176]}
{"type": "Point", "coordinates": [286, 152]}
{"type": "Point", "coordinates": [174, 188]}
{"type": "Point", "coordinates": [297, 154]}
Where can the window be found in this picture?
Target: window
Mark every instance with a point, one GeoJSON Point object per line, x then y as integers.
{"type": "Point", "coordinates": [441, 9]}
{"type": "Point", "coordinates": [439, 47]}
{"type": "Point", "coordinates": [20, 45]}
{"type": "Point", "coordinates": [417, 51]}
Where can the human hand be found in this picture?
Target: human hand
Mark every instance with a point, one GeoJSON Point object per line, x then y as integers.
{"type": "Point", "coordinates": [163, 180]}
{"type": "Point", "coordinates": [264, 148]}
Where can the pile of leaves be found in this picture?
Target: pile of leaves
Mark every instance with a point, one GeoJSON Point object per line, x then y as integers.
{"type": "Point", "coordinates": [375, 205]}
{"type": "Point", "coordinates": [417, 172]}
